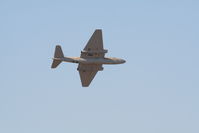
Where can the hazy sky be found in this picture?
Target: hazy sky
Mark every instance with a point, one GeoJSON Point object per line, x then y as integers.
{"type": "Point", "coordinates": [155, 91]}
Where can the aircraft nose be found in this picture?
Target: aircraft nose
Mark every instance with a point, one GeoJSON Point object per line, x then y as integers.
{"type": "Point", "coordinates": [123, 61]}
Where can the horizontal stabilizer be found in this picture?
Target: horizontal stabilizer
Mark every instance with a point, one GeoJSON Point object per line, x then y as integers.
{"type": "Point", "coordinates": [58, 54]}
{"type": "Point", "coordinates": [55, 63]}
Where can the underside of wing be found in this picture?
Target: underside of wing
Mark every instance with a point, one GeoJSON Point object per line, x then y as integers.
{"type": "Point", "coordinates": [87, 73]}
{"type": "Point", "coordinates": [87, 77]}
{"type": "Point", "coordinates": [94, 47]}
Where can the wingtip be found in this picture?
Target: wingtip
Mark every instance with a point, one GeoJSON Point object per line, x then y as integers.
{"type": "Point", "coordinates": [98, 30]}
{"type": "Point", "coordinates": [84, 86]}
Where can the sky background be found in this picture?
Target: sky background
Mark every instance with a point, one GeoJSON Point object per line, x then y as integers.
{"type": "Point", "coordinates": [155, 91]}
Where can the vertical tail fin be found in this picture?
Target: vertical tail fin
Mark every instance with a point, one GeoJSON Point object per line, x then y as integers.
{"type": "Point", "coordinates": [58, 54]}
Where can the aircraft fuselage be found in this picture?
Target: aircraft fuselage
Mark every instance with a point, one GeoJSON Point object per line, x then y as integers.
{"type": "Point", "coordinates": [104, 60]}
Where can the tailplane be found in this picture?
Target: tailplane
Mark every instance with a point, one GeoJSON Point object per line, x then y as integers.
{"type": "Point", "coordinates": [57, 56]}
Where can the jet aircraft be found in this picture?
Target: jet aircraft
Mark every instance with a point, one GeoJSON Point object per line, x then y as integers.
{"type": "Point", "coordinates": [91, 59]}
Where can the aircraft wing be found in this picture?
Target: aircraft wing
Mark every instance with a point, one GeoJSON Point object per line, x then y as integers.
{"type": "Point", "coordinates": [94, 47]}
{"type": "Point", "coordinates": [87, 73]}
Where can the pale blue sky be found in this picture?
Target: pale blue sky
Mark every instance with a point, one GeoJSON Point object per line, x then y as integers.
{"type": "Point", "coordinates": [156, 91]}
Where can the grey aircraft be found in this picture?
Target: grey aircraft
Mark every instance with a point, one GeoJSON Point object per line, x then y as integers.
{"type": "Point", "coordinates": [91, 58]}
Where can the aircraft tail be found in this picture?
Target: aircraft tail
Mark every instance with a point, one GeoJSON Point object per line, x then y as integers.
{"type": "Point", "coordinates": [58, 54]}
